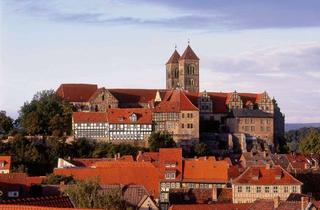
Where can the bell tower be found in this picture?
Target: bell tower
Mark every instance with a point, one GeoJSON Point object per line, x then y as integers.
{"type": "Point", "coordinates": [172, 71]}
{"type": "Point", "coordinates": [189, 70]}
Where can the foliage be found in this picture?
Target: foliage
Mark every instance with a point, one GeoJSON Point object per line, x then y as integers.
{"type": "Point", "coordinates": [39, 157]}
{"type": "Point", "coordinates": [88, 194]}
{"type": "Point", "coordinates": [57, 179]}
{"type": "Point", "coordinates": [6, 123]}
{"type": "Point", "coordinates": [46, 114]}
{"type": "Point", "coordinates": [161, 139]}
{"type": "Point", "coordinates": [201, 149]}
{"type": "Point", "coordinates": [310, 143]}
{"type": "Point", "coordinates": [282, 146]}
{"type": "Point", "coordinates": [297, 135]}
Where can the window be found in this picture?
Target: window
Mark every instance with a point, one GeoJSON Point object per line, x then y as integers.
{"type": "Point", "coordinates": [176, 73]}
{"type": "Point", "coordinates": [252, 128]}
{"type": "Point", "coordinates": [266, 189]}
{"type": "Point", "coordinates": [133, 118]}
{"type": "Point", "coordinates": [182, 125]}
{"type": "Point", "coordinates": [275, 189]}
{"type": "Point", "coordinates": [286, 189]}
{"type": "Point", "coordinates": [13, 194]}
{"type": "Point", "coordinates": [258, 189]}
{"type": "Point", "coordinates": [102, 97]}
{"type": "Point", "coordinates": [170, 175]}
{"type": "Point", "coordinates": [239, 189]}
{"type": "Point", "coordinates": [248, 189]}
{"type": "Point", "coordinates": [182, 115]}
{"type": "Point", "coordinates": [294, 189]}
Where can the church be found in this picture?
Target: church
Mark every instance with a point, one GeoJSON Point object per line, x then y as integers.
{"type": "Point", "coordinates": [131, 115]}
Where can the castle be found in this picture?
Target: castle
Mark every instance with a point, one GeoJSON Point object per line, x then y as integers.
{"type": "Point", "coordinates": [131, 115]}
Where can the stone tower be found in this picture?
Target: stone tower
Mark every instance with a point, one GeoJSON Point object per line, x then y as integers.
{"type": "Point", "coordinates": [172, 71]}
{"type": "Point", "coordinates": [183, 71]}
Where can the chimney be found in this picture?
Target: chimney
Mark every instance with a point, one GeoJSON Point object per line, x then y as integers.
{"type": "Point", "coordinates": [118, 155]}
{"type": "Point", "coordinates": [276, 202]}
{"type": "Point", "coordinates": [304, 202]}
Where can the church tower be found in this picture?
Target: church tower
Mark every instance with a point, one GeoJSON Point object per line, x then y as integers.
{"type": "Point", "coordinates": [172, 71]}
{"type": "Point", "coordinates": [189, 70]}
{"type": "Point", "coordinates": [183, 71]}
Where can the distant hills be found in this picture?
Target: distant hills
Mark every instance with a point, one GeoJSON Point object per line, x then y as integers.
{"type": "Point", "coordinates": [294, 126]}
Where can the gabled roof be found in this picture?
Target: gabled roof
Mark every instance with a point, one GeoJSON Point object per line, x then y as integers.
{"type": "Point", "coordinates": [6, 160]}
{"type": "Point", "coordinates": [205, 170]}
{"type": "Point", "coordinates": [170, 155]}
{"type": "Point", "coordinates": [76, 92]}
{"type": "Point", "coordinates": [123, 115]}
{"type": "Point", "coordinates": [175, 101]}
{"type": "Point", "coordinates": [119, 172]}
{"type": "Point", "coordinates": [89, 117]}
{"type": "Point", "coordinates": [189, 54]}
{"type": "Point", "coordinates": [174, 57]}
{"type": "Point", "coordinates": [58, 201]}
{"type": "Point", "coordinates": [266, 176]}
{"type": "Point", "coordinates": [136, 96]}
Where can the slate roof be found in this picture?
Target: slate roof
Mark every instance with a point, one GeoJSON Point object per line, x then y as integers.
{"type": "Point", "coordinates": [174, 57]}
{"type": "Point", "coordinates": [257, 113]}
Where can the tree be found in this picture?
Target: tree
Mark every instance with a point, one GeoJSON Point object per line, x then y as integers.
{"type": "Point", "coordinates": [201, 149]}
{"type": "Point", "coordinates": [6, 123]}
{"type": "Point", "coordinates": [310, 144]}
{"type": "Point", "coordinates": [88, 194]}
{"type": "Point", "coordinates": [57, 179]}
{"type": "Point", "coordinates": [161, 139]}
{"type": "Point", "coordinates": [46, 114]}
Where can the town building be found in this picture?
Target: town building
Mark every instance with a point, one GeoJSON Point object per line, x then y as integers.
{"type": "Point", "coordinates": [5, 164]}
{"type": "Point", "coordinates": [180, 108]}
{"type": "Point", "coordinates": [264, 182]}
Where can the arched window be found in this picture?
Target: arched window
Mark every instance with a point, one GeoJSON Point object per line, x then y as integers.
{"type": "Point", "coordinates": [102, 97]}
{"type": "Point", "coordinates": [190, 69]}
{"type": "Point", "coordinates": [191, 82]}
{"type": "Point", "coordinates": [176, 73]}
{"type": "Point", "coordinates": [133, 118]}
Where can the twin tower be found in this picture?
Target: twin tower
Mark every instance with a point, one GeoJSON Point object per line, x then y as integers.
{"type": "Point", "coordinates": [183, 71]}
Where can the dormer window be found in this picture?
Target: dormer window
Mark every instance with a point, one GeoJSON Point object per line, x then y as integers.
{"type": "Point", "coordinates": [133, 118]}
{"type": "Point", "coordinates": [170, 175]}
{"type": "Point", "coordinates": [2, 163]}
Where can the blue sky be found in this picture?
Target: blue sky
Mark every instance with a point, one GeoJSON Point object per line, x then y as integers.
{"type": "Point", "coordinates": [248, 46]}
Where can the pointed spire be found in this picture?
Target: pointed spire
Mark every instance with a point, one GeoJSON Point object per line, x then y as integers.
{"type": "Point", "coordinates": [174, 57]}
{"type": "Point", "coordinates": [189, 54]}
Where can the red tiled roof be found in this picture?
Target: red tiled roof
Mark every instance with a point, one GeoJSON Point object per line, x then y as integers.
{"type": "Point", "coordinates": [119, 172]}
{"type": "Point", "coordinates": [189, 54]}
{"type": "Point", "coordinates": [217, 206]}
{"type": "Point", "coordinates": [297, 161]}
{"type": "Point", "coordinates": [89, 117]}
{"type": "Point", "coordinates": [122, 115]}
{"type": "Point", "coordinates": [152, 157]}
{"type": "Point", "coordinates": [174, 57]}
{"type": "Point", "coordinates": [175, 101]}
{"type": "Point", "coordinates": [76, 92]}
{"type": "Point", "coordinates": [6, 160]}
{"type": "Point", "coordinates": [266, 176]}
{"type": "Point", "coordinates": [136, 96]}
{"type": "Point", "coordinates": [208, 170]}
{"type": "Point", "coordinates": [84, 162]}
{"type": "Point", "coordinates": [58, 201]}
{"type": "Point", "coordinates": [170, 155]}
{"type": "Point", "coordinates": [26, 207]}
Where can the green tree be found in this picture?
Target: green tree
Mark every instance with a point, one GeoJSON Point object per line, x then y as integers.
{"type": "Point", "coordinates": [88, 194]}
{"type": "Point", "coordinates": [310, 144]}
{"type": "Point", "coordinates": [201, 149]}
{"type": "Point", "coordinates": [46, 114]}
{"type": "Point", "coordinates": [161, 139]}
{"type": "Point", "coordinates": [6, 123]}
{"type": "Point", "coordinates": [57, 179]}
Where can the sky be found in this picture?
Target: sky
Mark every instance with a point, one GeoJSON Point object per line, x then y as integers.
{"type": "Point", "coordinates": [247, 46]}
